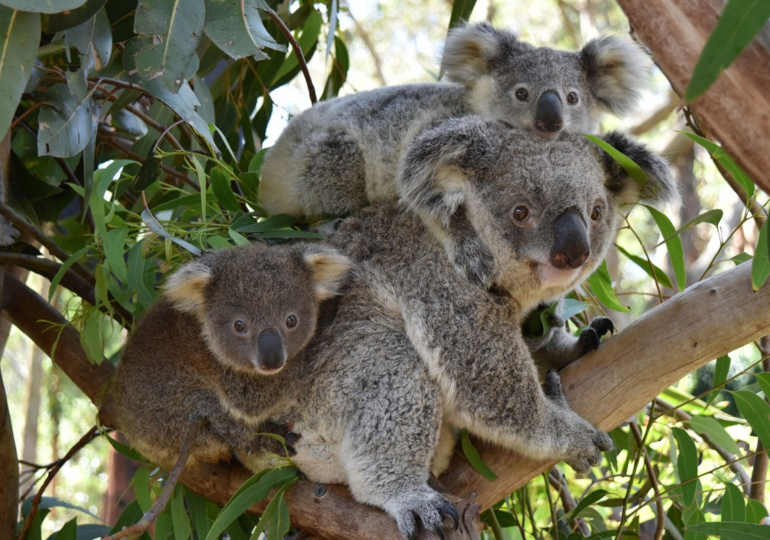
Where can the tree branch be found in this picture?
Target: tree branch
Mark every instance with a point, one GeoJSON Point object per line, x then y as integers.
{"type": "Point", "coordinates": [298, 52]}
{"type": "Point", "coordinates": [736, 108]}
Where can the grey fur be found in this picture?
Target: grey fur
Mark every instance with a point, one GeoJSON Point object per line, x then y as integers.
{"type": "Point", "coordinates": [342, 154]}
{"type": "Point", "coordinates": [184, 362]}
{"type": "Point", "coordinates": [416, 350]}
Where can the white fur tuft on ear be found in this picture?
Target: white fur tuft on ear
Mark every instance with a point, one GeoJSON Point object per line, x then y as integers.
{"type": "Point", "coordinates": [467, 50]}
{"type": "Point", "coordinates": [329, 268]}
{"type": "Point", "coordinates": [618, 71]}
{"type": "Point", "coordinates": [185, 288]}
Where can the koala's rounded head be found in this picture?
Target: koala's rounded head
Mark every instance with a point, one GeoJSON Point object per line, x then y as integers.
{"type": "Point", "coordinates": [547, 212]}
{"type": "Point", "coordinates": [258, 305]}
{"type": "Point", "coordinates": [540, 89]}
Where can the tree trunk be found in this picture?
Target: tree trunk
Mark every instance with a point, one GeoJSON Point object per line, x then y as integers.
{"type": "Point", "coordinates": [736, 108]}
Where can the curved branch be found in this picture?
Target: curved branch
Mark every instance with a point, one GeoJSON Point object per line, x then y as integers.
{"type": "Point", "coordinates": [298, 52]}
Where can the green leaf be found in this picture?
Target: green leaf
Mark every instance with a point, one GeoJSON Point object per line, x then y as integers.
{"type": "Point", "coordinates": [272, 516]}
{"type": "Point", "coordinates": [733, 507]}
{"type": "Point", "coordinates": [588, 500]}
{"type": "Point", "coordinates": [155, 226]}
{"type": "Point", "coordinates": [86, 532]}
{"type": "Point", "coordinates": [721, 370]}
{"type": "Point", "coordinates": [760, 266]}
{"type": "Point", "coordinates": [69, 531]}
{"type": "Point", "coordinates": [142, 488]}
{"type": "Point", "coordinates": [220, 184]}
{"type": "Point", "coordinates": [339, 70]}
{"type": "Point", "coordinates": [182, 102]}
{"type": "Point", "coordinates": [64, 20]}
{"type": "Point", "coordinates": [632, 169]}
{"type": "Point", "coordinates": [732, 530]}
{"type": "Point", "coordinates": [571, 307]}
{"type": "Point", "coordinates": [239, 239]}
{"type": "Point", "coordinates": [755, 511]}
{"type": "Point", "coordinates": [43, 6]}
{"type": "Point", "coordinates": [686, 466]}
{"type": "Point", "coordinates": [473, 457]}
{"type": "Point", "coordinates": [126, 450]}
{"type": "Point", "coordinates": [712, 216]}
{"type": "Point", "coordinates": [252, 491]}
{"type": "Point", "coordinates": [66, 125]}
{"type": "Point", "coordinates": [601, 285]}
{"type": "Point", "coordinates": [148, 173]}
{"type": "Point", "coordinates": [461, 12]}
{"type": "Point", "coordinates": [236, 28]}
{"type": "Point", "coordinates": [718, 153]}
{"type": "Point", "coordinates": [648, 267]}
{"type": "Point", "coordinates": [739, 22]}
{"type": "Point", "coordinates": [135, 277]}
{"type": "Point", "coordinates": [307, 40]}
{"type": "Point", "coordinates": [182, 527]}
{"type": "Point", "coordinates": [21, 33]}
{"type": "Point", "coordinates": [218, 242]}
{"type": "Point", "coordinates": [741, 258]}
{"type": "Point", "coordinates": [171, 31]}
{"type": "Point", "coordinates": [715, 430]}
{"type": "Point", "coordinates": [764, 383]}
{"type": "Point", "coordinates": [692, 517]}
{"type": "Point", "coordinates": [757, 412]}
{"type": "Point", "coordinates": [114, 248]}
{"type": "Point", "coordinates": [62, 269]}
{"type": "Point", "coordinates": [93, 40]}
{"type": "Point", "coordinates": [198, 507]}
{"type": "Point", "coordinates": [92, 337]}
{"type": "Point", "coordinates": [54, 502]}
{"type": "Point", "coordinates": [674, 245]}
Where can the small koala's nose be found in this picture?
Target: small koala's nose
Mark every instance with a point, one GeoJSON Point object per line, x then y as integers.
{"type": "Point", "coordinates": [548, 116]}
{"type": "Point", "coordinates": [270, 350]}
{"type": "Point", "coordinates": [570, 242]}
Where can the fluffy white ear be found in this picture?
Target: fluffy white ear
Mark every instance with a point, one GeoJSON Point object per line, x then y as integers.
{"type": "Point", "coordinates": [617, 70]}
{"type": "Point", "coordinates": [185, 288]}
{"type": "Point", "coordinates": [329, 268]}
{"type": "Point", "coordinates": [467, 52]}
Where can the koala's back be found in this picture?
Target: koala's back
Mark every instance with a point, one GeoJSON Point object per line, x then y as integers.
{"type": "Point", "coordinates": [340, 155]}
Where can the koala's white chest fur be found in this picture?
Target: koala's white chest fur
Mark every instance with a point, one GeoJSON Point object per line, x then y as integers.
{"type": "Point", "coordinates": [318, 456]}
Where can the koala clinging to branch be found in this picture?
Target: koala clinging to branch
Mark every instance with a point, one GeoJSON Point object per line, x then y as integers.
{"type": "Point", "coordinates": [221, 347]}
{"type": "Point", "coordinates": [416, 348]}
{"type": "Point", "coordinates": [342, 154]}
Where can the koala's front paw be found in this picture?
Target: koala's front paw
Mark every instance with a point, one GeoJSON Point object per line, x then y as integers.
{"type": "Point", "coordinates": [591, 336]}
{"type": "Point", "coordinates": [552, 387]}
{"type": "Point", "coordinates": [426, 509]}
{"type": "Point", "coordinates": [586, 447]}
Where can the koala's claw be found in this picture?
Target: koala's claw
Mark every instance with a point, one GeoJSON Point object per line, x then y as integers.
{"type": "Point", "coordinates": [591, 336]}
{"type": "Point", "coordinates": [426, 513]}
{"type": "Point", "coordinates": [588, 445]}
{"type": "Point", "coordinates": [556, 320]}
{"type": "Point", "coordinates": [449, 510]}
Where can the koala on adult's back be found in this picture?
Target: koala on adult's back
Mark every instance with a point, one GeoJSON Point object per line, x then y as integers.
{"type": "Point", "coordinates": [224, 345]}
{"type": "Point", "coordinates": [342, 154]}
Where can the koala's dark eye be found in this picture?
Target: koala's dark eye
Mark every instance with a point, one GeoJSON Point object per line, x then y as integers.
{"type": "Point", "coordinates": [522, 94]}
{"type": "Point", "coordinates": [291, 321]}
{"type": "Point", "coordinates": [596, 215]}
{"type": "Point", "coordinates": [240, 327]}
{"type": "Point", "coordinates": [521, 213]}
{"type": "Point", "coordinates": [572, 98]}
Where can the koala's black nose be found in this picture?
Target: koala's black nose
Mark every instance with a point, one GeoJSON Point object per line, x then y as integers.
{"type": "Point", "coordinates": [570, 241]}
{"type": "Point", "coordinates": [548, 115]}
{"type": "Point", "coordinates": [270, 350]}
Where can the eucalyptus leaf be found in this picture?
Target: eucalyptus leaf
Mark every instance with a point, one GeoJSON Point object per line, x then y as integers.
{"type": "Point", "coordinates": [708, 426]}
{"type": "Point", "coordinates": [736, 27]}
{"type": "Point", "coordinates": [760, 266]}
{"type": "Point", "coordinates": [601, 285]}
{"type": "Point", "coordinates": [66, 125]}
{"type": "Point", "coordinates": [733, 508]}
{"type": "Point", "coordinates": [179, 518]}
{"type": "Point", "coordinates": [155, 226]}
{"type": "Point", "coordinates": [236, 28]}
{"type": "Point", "coordinates": [674, 245]}
{"type": "Point", "coordinates": [686, 466]}
{"type": "Point", "coordinates": [731, 530]}
{"type": "Point", "coordinates": [757, 412]}
{"type": "Point", "coordinates": [632, 169]}
{"type": "Point", "coordinates": [17, 58]}
{"type": "Point", "coordinates": [142, 488]}
{"type": "Point", "coordinates": [719, 154]}
{"type": "Point", "coordinates": [43, 6]}
{"type": "Point", "coordinates": [220, 184]}
{"type": "Point", "coordinates": [174, 28]}
{"type": "Point", "coordinates": [126, 450]}
{"type": "Point", "coordinates": [659, 275]}
{"type": "Point", "coordinates": [591, 498]}
{"type": "Point", "coordinates": [461, 12]}
{"type": "Point", "coordinates": [474, 458]}
{"type": "Point", "coordinates": [721, 369]}
{"type": "Point", "coordinates": [64, 20]}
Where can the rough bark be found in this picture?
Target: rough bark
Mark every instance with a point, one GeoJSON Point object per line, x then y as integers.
{"type": "Point", "coordinates": [736, 108]}
{"type": "Point", "coordinates": [9, 469]}
{"type": "Point", "coordinates": [608, 386]}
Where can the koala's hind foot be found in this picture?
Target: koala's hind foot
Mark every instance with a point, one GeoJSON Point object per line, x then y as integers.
{"type": "Point", "coordinates": [586, 445]}
{"type": "Point", "coordinates": [424, 510]}
{"type": "Point", "coordinates": [590, 337]}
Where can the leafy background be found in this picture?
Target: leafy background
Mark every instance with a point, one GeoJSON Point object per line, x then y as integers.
{"type": "Point", "coordinates": [136, 136]}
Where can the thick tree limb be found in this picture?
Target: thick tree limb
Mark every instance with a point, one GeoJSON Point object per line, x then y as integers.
{"type": "Point", "coordinates": [607, 386]}
{"type": "Point", "coordinates": [736, 109]}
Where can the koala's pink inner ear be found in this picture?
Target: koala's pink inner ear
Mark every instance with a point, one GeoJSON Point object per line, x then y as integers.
{"type": "Point", "coordinates": [467, 51]}
{"type": "Point", "coordinates": [185, 288]}
{"type": "Point", "coordinates": [329, 270]}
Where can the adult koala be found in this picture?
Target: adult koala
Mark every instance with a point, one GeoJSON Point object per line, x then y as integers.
{"type": "Point", "coordinates": [416, 349]}
{"type": "Point", "coordinates": [343, 154]}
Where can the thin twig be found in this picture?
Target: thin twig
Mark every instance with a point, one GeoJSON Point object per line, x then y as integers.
{"type": "Point", "coordinates": [659, 526]}
{"type": "Point", "coordinates": [151, 515]}
{"type": "Point", "coordinates": [551, 506]}
{"type": "Point", "coordinates": [567, 500]}
{"type": "Point", "coordinates": [497, 530]}
{"type": "Point", "coordinates": [128, 153]}
{"type": "Point", "coordinates": [298, 52]}
{"type": "Point", "coordinates": [53, 248]}
{"type": "Point", "coordinates": [26, 113]}
{"type": "Point", "coordinates": [84, 440]}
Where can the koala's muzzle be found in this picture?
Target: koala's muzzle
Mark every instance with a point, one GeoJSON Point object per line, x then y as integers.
{"type": "Point", "coordinates": [548, 116]}
{"type": "Point", "coordinates": [270, 349]}
{"type": "Point", "coordinates": [570, 241]}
